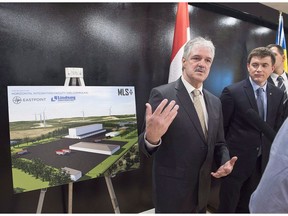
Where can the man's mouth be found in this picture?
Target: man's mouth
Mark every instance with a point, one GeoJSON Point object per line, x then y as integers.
{"type": "Point", "coordinates": [200, 70]}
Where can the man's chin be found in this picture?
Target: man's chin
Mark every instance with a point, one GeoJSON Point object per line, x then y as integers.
{"type": "Point", "coordinates": [201, 76]}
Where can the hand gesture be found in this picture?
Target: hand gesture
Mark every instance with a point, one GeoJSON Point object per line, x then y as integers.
{"type": "Point", "coordinates": [225, 169]}
{"type": "Point", "coordinates": [157, 123]}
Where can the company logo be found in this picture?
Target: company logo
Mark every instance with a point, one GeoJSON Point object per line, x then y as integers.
{"type": "Point", "coordinates": [17, 100]}
{"type": "Point", "coordinates": [63, 98]}
{"type": "Point", "coordinates": [125, 92]}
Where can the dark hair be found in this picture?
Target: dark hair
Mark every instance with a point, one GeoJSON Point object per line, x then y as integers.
{"type": "Point", "coordinates": [279, 48]}
{"type": "Point", "coordinates": [261, 52]}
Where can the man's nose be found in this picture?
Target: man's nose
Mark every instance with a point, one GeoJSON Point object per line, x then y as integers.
{"type": "Point", "coordinates": [259, 68]}
{"type": "Point", "coordinates": [201, 63]}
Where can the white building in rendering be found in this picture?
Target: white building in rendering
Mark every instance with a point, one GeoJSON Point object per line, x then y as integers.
{"type": "Point", "coordinates": [99, 148]}
{"type": "Point", "coordinates": [85, 131]}
{"type": "Point", "coordinates": [74, 174]}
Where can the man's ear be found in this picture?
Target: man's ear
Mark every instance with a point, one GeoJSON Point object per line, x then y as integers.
{"type": "Point", "coordinates": [273, 68]}
{"type": "Point", "coordinates": [183, 60]}
{"type": "Point", "coordinates": [248, 66]}
{"type": "Point", "coordinates": [283, 58]}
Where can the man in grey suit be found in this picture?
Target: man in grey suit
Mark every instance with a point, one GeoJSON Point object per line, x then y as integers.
{"type": "Point", "coordinates": [244, 135]}
{"type": "Point", "coordinates": [271, 195]}
{"type": "Point", "coordinates": [184, 133]}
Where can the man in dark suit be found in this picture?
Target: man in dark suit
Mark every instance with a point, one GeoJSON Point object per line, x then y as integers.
{"type": "Point", "coordinates": [245, 138]}
{"type": "Point", "coordinates": [279, 77]}
{"type": "Point", "coordinates": [185, 133]}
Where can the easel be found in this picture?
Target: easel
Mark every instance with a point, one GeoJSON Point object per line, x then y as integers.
{"type": "Point", "coordinates": [76, 74]}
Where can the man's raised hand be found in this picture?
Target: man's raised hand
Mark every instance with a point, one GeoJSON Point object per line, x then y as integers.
{"type": "Point", "coordinates": [157, 123]}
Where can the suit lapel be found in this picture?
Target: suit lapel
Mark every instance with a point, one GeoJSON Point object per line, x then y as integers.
{"type": "Point", "coordinates": [248, 89]}
{"type": "Point", "coordinates": [270, 80]}
{"type": "Point", "coordinates": [188, 106]}
{"type": "Point", "coordinates": [272, 100]}
{"type": "Point", "coordinates": [269, 102]}
{"type": "Point", "coordinates": [209, 107]}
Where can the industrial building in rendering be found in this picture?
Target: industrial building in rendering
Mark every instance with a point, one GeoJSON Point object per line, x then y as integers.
{"type": "Point", "coordinates": [74, 174]}
{"type": "Point", "coordinates": [85, 131]}
{"type": "Point", "coordinates": [100, 148]}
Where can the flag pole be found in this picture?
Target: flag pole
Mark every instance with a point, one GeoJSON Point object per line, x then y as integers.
{"type": "Point", "coordinates": [280, 39]}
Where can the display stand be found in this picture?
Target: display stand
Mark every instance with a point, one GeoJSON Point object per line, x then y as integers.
{"type": "Point", "coordinates": [41, 200]}
{"type": "Point", "coordinates": [112, 194]}
{"type": "Point", "coordinates": [74, 76]}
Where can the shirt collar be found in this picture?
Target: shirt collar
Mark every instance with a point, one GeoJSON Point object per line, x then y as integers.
{"type": "Point", "coordinates": [189, 87]}
{"type": "Point", "coordinates": [256, 86]}
{"type": "Point", "coordinates": [274, 76]}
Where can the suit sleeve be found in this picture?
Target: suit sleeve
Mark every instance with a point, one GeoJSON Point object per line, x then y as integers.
{"type": "Point", "coordinates": [154, 100]}
{"type": "Point", "coordinates": [221, 153]}
{"type": "Point", "coordinates": [227, 109]}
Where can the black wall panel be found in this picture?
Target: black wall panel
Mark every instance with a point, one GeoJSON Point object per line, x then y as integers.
{"type": "Point", "coordinates": [116, 44]}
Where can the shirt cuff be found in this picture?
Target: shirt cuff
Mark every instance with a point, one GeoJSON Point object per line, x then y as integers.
{"type": "Point", "coordinates": [149, 145]}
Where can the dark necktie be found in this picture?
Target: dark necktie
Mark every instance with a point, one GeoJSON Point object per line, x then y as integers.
{"type": "Point", "coordinates": [282, 86]}
{"type": "Point", "coordinates": [260, 102]}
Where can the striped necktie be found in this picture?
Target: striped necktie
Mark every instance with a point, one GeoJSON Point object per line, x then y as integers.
{"type": "Point", "coordinates": [281, 85]}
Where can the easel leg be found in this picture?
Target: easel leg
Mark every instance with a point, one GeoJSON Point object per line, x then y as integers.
{"type": "Point", "coordinates": [70, 197]}
{"type": "Point", "coordinates": [112, 194]}
{"type": "Point", "coordinates": [74, 81]}
{"type": "Point", "coordinates": [41, 200]}
{"type": "Point", "coordinates": [78, 75]}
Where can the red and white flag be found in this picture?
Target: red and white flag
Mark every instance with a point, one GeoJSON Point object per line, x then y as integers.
{"type": "Point", "coordinates": [181, 36]}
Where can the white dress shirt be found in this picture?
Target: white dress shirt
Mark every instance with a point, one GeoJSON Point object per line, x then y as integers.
{"type": "Point", "coordinates": [274, 77]}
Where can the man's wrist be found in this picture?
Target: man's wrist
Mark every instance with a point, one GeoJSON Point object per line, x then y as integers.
{"type": "Point", "coordinates": [153, 143]}
{"type": "Point", "coordinates": [157, 143]}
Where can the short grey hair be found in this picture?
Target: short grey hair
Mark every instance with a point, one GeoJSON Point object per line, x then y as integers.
{"type": "Point", "coordinates": [198, 41]}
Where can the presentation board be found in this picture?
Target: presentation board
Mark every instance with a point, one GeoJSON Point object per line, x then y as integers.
{"type": "Point", "coordinates": [62, 134]}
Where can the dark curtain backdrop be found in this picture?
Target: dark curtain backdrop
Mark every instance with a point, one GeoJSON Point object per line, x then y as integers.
{"type": "Point", "coordinates": [116, 44]}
